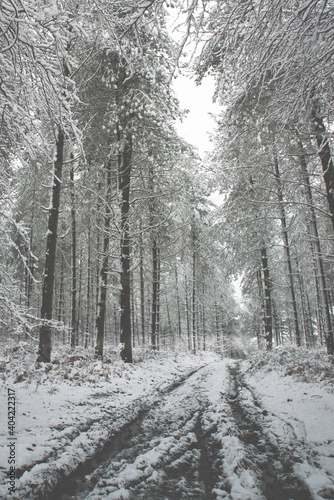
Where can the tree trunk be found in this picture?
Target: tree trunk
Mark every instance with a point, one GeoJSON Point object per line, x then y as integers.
{"type": "Point", "coordinates": [262, 321]}
{"type": "Point", "coordinates": [170, 331]}
{"type": "Point", "coordinates": [50, 255]}
{"type": "Point", "coordinates": [103, 274]}
{"type": "Point", "coordinates": [80, 321]}
{"type": "Point", "coordinates": [187, 313]}
{"type": "Point", "coordinates": [328, 329]}
{"type": "Point", "coordinates": [124, 170]}
{"type": "Point", "coordinates": [30, 267]}
{"type": "Point", "coordinates": [88, 290]}
{"type": "Point", "coordinates": [217, 326]}
{"type": "Point", "coordinates": [98, 246]}
{"type": "Point", "coordinates": [178, 305]}
{"type": "Point", "coordinates": [304, 300]}
{"type": "Point", "coordinates": [287, 250]}
{"type": "Point", "coordinates": [267, 287]}
{"type": "Point", "coordinates": [194, 290]}
{"type": "Point", "coordinates": [74, 263]}
{"type": "Point", "coordinates": [223, 333]}
{"type": "Point", "coordinates": [158, 301]}
{"type": "Point", "coordinates": [276, 323]}
{"type": "Point", "coordinates": [203, 313]}
{"type": "Point", "coordinates": [325, 156]}
{"type": "Point", "coordinates": [60, 311]}
{"type": "Point", "coordinates": [142, 287]}
{"type": "Point", "coordinates": [133, 314]}
{"type": "Point", "coordinates": [155, 296]}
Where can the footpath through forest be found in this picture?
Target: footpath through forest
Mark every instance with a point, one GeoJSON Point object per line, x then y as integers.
{"type": "Point", "coordinates": [183, 427]}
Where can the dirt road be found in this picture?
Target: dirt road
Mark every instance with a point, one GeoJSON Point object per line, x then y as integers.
{"type": "Point", "coordinates": [207, 438]}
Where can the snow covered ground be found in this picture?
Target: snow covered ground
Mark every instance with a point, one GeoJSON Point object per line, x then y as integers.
{"type": "Point", "coordinates": [66, 411]}
{"type": "Point", "coordinates": [296, 389]}
{"type": "Point", "coordinates": [169, 427]}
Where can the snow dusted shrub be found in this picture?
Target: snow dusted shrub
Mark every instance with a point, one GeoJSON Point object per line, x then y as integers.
{"type": "Point", "coordinates": [307, 365]}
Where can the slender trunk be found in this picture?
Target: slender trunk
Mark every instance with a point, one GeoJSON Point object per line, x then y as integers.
{"type": "Point", "coordinates": [74, 263]}
{"type": "Point", "coordinates": [194, 290]}
{"type": "Point", "coordinates": [60, 311]}
{"type": "Point", "coordinates": [304, 308]}
{"type": "Point", "coordinates": [155, 295]}
{"type": "Point", "coordinates": [30, 268]}
{"type": "Point", "coordinates": [124, 170]}
{"type": "Point", "coordinates": [158, 300]}
{"type": "Point", "coordinates": [203, 313]}
{"type": "Point", "coordinates": [170, 327]}
{"type": "Point", "coordinates": [318, 313]}
{"type": "Point", "coordinates": [330, 304]}
{"type": "Point", "coordinates": [276, 324]}
{"type": "Point", "coordinates": [187, 313]}
{"type": "Point", "coordinates": [217, 326]}
{"type": "Point", "coordinates": [98, 247]}
{"type": "Point", "coordinates": [50, 255]}
{"type": "Point", "coordinates": [178, 305]}
{"type": "Point", "coordinates": [309, 314]}
{"type": "Point", "coordinates": [262, 321]}
{"type": "Point", "coordinates": [133, 314]}
{"type": "Point", "coordinates": [88, 290]}
{"type": "Point", "coordinates": [267, 287]}
{"type": "Point", "coordinates": [155, 312]}
{"type": "Point", "coordinates": [287, 250]}
{"type": "Point", "coordinates": [328, 329]}
{"type": "Point", "coordinates": [142, 287]}
{"type": "Point", "coordinates": [223, 336]}
{"type": "Point", "coordinates": [116, 322]}
{"type": "Point", "coordinates": [325, 156]}
{"type": "Point", "coordinates": [79, 321]}
{"type": "Point", "coordinates": [103, 273]}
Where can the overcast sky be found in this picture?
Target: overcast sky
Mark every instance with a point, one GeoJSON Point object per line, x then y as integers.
{"type": "Point", "coordinates": [198, 99]}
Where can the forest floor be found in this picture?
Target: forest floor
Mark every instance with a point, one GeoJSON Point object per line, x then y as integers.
{"type": "Point", "coordinates": [169, 427]}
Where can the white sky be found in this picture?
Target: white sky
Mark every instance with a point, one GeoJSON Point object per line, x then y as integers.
{"type": "Point", "coordinates": [198, 123]}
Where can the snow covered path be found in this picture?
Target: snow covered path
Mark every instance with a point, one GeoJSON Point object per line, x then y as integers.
{"type": "Point", "coordinates": [208, 438]}
{"type": "Point", "coordinates": [203, 432]}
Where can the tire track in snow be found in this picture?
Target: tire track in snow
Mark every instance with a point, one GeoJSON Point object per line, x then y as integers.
{"type": "Point", "coordinates": [273, 464]}
{"type": "Point", "coordinates": [50, 477]}
{"type": "Point", "coordinates": [133, 441]}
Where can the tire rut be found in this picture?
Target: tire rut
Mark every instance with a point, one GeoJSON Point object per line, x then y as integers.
{"type": "Point", "coordinates": [208, 452]}
{"type": "Point", "coordinates": [83, 479]}
{"type": "Point", "coordinates": [272, 464]}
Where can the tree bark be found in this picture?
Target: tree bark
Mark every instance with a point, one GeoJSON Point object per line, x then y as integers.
{"type": "Point", "coordinates": [217, 326]}
{"type": "Point", "coordinates": [325, 156]}
{"type": "Point", "coordinates": [178, 305]}
{"type": "Point", "coordinates": [60, 310]}
{"type": "Point", "coordinates": [260, 331]}
{"type": "Point", "coordinates": [44, 354]}
{"type": "Point", "coordinates": [328, 329]}
{"type": "Point", "coordinates": [88, 289]}
{"type": "Point", "coordinates": [125, 164]}
{"type": "Point", "coordinates": [187, 313]}
{"type": "Point", "coordinates": [267, 287]}
{"type": "Point", "coordinates": [203, 312]}
{"type": "Point", "coordinates": [103, 274]}
{"type": "Point", "coordinates": [304, 300]}
{"type": "Point", "coordinates": [74, 263]}
{"type": "Point", "coordinates": [142, 287]}
{"type": "Point", "coordinates": [194, 298]}
{"type": "Point", "coordinates": [30, 267]}
{"type": "Point", "coordinates": [155, 296]}
{"type": "Point", "coordinates": [287, 250]}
